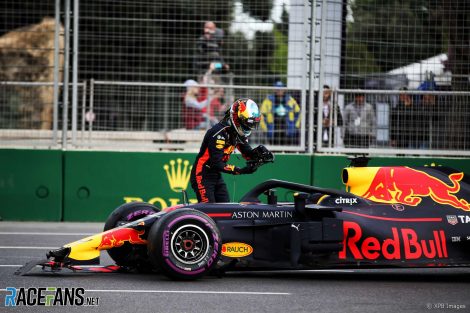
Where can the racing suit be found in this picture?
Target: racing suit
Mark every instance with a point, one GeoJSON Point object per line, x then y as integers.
{"type": "Point", "coordinates": [206, 178]}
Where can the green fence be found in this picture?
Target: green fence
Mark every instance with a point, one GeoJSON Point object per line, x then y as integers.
{"type": "Point", "coordinates": [31, 185]}
{"type": "Point", "coordinates": [88, 185]}
{"type": "Point", "coordinates": [97, 182]}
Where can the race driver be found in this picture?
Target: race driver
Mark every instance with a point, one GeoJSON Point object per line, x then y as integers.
{"type": "Point", "coordinates": [219, 142]}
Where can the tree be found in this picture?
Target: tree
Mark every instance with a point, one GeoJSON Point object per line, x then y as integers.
{"type": "Point", "coordinates": [394, 33]}
{"type": "Point", "coordinates": [279, 60]}
{"type": "Point", "coordinates": [144, 41]}
{"type": "Point", "coordinates": [359, 62]}
{"type": "Point", "coordinates": [454, 16]}
{"type": "Point", "coordinates": [260, 9]}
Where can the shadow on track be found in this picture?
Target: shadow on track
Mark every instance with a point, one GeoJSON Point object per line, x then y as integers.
{"type": "Point", "coordinates": [441, 275]}
{"type": "Point", "coordinates": [461, 275]}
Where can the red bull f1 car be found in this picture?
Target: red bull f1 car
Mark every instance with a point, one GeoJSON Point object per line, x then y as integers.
{"type": "Point", "coordinates": [388, 217]}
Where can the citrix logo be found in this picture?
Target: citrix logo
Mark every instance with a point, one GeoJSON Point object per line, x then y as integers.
{"type": "Point", "coordinates": [349, 201]}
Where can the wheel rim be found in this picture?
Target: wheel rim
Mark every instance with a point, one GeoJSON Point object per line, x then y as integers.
{"type": "Point", "coordinates": [189, 244]}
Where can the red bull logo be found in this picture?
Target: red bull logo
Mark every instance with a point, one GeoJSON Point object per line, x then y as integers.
{"type": "Point", "coordinates": [408, 186]}
{"type": "Point", "coordinates": [117, 237]}
{"type": "Point", "coordinates": [403, 244]}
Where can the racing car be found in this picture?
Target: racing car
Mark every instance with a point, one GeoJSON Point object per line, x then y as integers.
{"type": "Point", "coordinates": [387, 217]}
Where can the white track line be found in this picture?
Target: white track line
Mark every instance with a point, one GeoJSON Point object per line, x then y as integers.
{"type": "Point", "coordinates": [33, 248]}
{"type": "Point", "coordinates": [282, 271]}
{"type": "Point", "coordinates": [45, 234]}
{"type": "Point", "coordinates": [298, 271]}
{"type": "Point", "coordinates": [327, 271]}
{"type": "Point", "coordinates": [84, 266]}
{"type": "Point", "coordinates": [189, 292]}
{"type": "Point", "coordinates": [293, 271]}
{"type": "Point", "coordinates": [192, 292]}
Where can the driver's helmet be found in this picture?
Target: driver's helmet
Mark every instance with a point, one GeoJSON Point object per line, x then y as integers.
{"type": "Point", "coordinates": [244, 116]}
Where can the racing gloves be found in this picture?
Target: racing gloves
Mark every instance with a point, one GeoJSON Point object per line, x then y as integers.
{"type": "Point", "coordinates": [248, 169]}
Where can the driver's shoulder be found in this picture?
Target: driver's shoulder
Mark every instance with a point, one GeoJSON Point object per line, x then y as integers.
{"type": "Point", "coordinates": [218, 130]}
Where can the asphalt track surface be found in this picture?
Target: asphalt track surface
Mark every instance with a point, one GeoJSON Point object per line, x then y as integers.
{"type": "Point", "coordinates": [409, 290]}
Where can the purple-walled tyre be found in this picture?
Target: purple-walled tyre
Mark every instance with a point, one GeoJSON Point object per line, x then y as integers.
{"type": "Point", "coordinates": [185, 244]}
{"type": "Point", "coordinates": [134, 256]}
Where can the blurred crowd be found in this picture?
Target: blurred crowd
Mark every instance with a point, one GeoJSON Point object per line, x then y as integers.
{"type": "Point", "coordinates": [403, 120]}
{"type": "Point", "coordinates": [358, 122]}
{"type": "Point", "coordinates": [203, 106]}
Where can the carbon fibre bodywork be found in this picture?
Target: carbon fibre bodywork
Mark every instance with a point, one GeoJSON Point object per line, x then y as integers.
{"type": "Point", "coordinates": [392, 217]}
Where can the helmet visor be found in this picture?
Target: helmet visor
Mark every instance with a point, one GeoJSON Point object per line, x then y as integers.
{"type": "Point", "coordinates": [250, 124]}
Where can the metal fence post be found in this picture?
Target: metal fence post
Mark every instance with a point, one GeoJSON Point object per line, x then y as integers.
{"type": "Point", "coordinates": [66, 75]}
{"type": "Point", "coordinates": [83, 109]}
{"type": "Point", "coordinates": [92, 94]}
{"type": "Point", "coordinates": [303, 92]}
{"type": "Point", "coordinates": [311, 94]}
{"type": "Point", "coordinates": [230, 94]}
{"type": "Point", "coordinates": [208, 99]}
{"type": "Point", "coordinates": [321, 76]}
{"type": "Point", "coordinates": [55, 121]}
{"type": "Point", "coordinates": [335, 106]}
{"type": "Point", "coordinates": [166, 110]}
{"type": "Point", "coordinates": [75, 70]}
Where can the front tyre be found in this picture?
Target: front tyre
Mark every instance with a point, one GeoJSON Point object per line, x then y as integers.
{"type": "Point", "coordinates": [185, 244]}
{"type": "Point", "coordinates": [130, 255]}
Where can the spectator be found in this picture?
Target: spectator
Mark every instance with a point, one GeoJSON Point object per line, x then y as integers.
{"type": "Point", "coordinates": [404, 122]}
{"type": "Point", "coordinates": [427, 117]}
{"type": "Point", "coordinates": [328, 111]}
{"type": "Point", "coordinates": [208, 49]}
{"type": "Point", "coordinates": [359, 122]}
{"type": "Point", "coordinates": [281, 117]}
{"type": "Point", "coordinates": [216, 108]}
{"type": "Point", "coordinates": [219, 36]}
{"type": "Point", "coordinates": [193, 105]}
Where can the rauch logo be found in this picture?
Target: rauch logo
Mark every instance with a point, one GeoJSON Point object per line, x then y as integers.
{"type": "Point", "coordinates": [236, 249]}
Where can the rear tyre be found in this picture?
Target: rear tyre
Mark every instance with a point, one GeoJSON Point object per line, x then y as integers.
{"type": "Point", "coordinates": [134, 256]}
{"type": "Point", "coordinates": [185, 244]}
